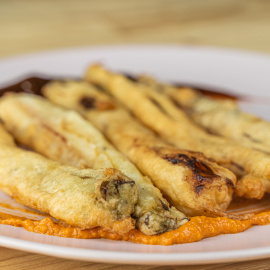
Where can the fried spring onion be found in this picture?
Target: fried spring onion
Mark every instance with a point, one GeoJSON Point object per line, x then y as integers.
{"type": "Point", "coordinates": [66, 137]}
{"type": "Point", "coordinates": [159, 113]}
{"type": "Point", "coordinates": [82, 198]}
{"type": "Point", "coordinates": [190, 182]}
{"type": "Point", "coordinates": [222, 117]}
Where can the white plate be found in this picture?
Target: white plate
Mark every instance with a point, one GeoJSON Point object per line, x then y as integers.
{"type": "Point", "coordinates": [240, 72]}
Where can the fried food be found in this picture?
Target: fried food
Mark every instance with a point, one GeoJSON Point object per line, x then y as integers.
{"type": "Point", "coordinates": [66, 137]}
{"type": "Point", "coordinates": [159, 113]}
{"type": "Point", "coordinates": [83, 198]}
{"type": "Point", "coordinates": [222, 117]}
{"type": "Point", "coordinates": [191, 182]}
{"type": "Point", "coordinates": [250, 186]}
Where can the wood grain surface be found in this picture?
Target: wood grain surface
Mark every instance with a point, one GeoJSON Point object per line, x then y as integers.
{"type": "Point", "coordinates": [29, 26]}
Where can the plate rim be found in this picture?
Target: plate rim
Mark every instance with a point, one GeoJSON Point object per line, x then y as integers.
{"type": "Point", "coordinates": [136, 46]}
{"type": "Point", "coordinates": [131, 257]}
{"type": "Point", "coordinates": [93, 255]}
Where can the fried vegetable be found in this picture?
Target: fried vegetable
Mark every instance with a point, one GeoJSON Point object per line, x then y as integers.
{"type": "Point", "coordinates": [82, 198]}
{"type": "Point", "coordinates": [192, 183]}
{"type": "Point", "coordinates": [221, 117]}
{"type": "Point", "coordinates": [159, 113]}
{"type": "Point", "coordinates": [66, 137]}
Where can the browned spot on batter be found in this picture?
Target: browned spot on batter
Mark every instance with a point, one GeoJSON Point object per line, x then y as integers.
{"type": "Point", "coordinates": [230, 183]}
{"type": "Point", "coordinates": [88, 102]}
{"type": "Point", "coordinates": [177, 104]}
{"type": "Point", "coordinates": [157, 105]}
{"type": "Point", "coordinates": [54, 132]}
{"type": "Point", "coordinates": [164, 206]}
{"type": "Point", "coordinates": [85, 177]}
{"type": "Point", "coordinates": [252, 139]}
{"type": "Point", "coordinates": [100, 88]}
{"type": "Point", "coordinates": [239, 167]}
{"type": "Point", "coordinates": [201, 171]}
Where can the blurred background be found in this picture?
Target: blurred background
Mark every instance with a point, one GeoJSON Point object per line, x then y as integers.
{"type": "Point", "coordinates": [30, 26]}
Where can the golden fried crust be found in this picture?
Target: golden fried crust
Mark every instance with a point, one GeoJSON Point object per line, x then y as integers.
{"type": "Point", "coordinates": [82, 198]}
{"type": "Point", "coordinates": [222, 117]}
{"type": "Point", "coordinates": [65, 136]}
{"type": "Point", "coordinates": [174, 126]}
{"type": "Point", "coordinates": [32, 130]}
{"type": "Point", "coordinates": [252, 187]}
{"type": "Point", "coordinates": [190, 182]}
{"type": "Point", "coordinates": [5, 137]}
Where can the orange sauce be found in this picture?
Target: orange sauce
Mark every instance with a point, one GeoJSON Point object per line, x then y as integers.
{"type": "Point", "coordinates": [22, 209]}
{"type": "Point", "coordinates": [196, 229]}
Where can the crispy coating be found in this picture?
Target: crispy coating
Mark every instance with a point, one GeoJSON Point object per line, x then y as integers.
{"type": "Point", "coordinates": [82, 198]}
{"type": "Point", "coordinates": [190, 182]}
{"type": "Point", "coordinates": [174, 126]}
{"type": "Point", "coordinates": [252, 187]}
{"type": "Point", "coordinates": [66, 137]}
{"type": "Point", "coordinates": [221, 117]}
{"type": "Point", "coordinates": [224, 118]}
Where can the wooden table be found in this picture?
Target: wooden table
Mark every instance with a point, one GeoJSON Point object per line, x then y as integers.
{"type": "Point", "coordinates": [28, 26]}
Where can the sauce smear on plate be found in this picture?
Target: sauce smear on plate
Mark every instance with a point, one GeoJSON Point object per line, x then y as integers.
{"type": "Point", "coordinates": [196, 229]}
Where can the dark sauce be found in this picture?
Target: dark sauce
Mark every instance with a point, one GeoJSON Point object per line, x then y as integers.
{"type": "Point", "coordinates": [34, 84]}
{"type": "Point", "coordinates": [210, 93]}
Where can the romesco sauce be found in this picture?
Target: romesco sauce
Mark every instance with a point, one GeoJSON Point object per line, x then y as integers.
{"type": "Point", "coordinates": [196, 229]}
